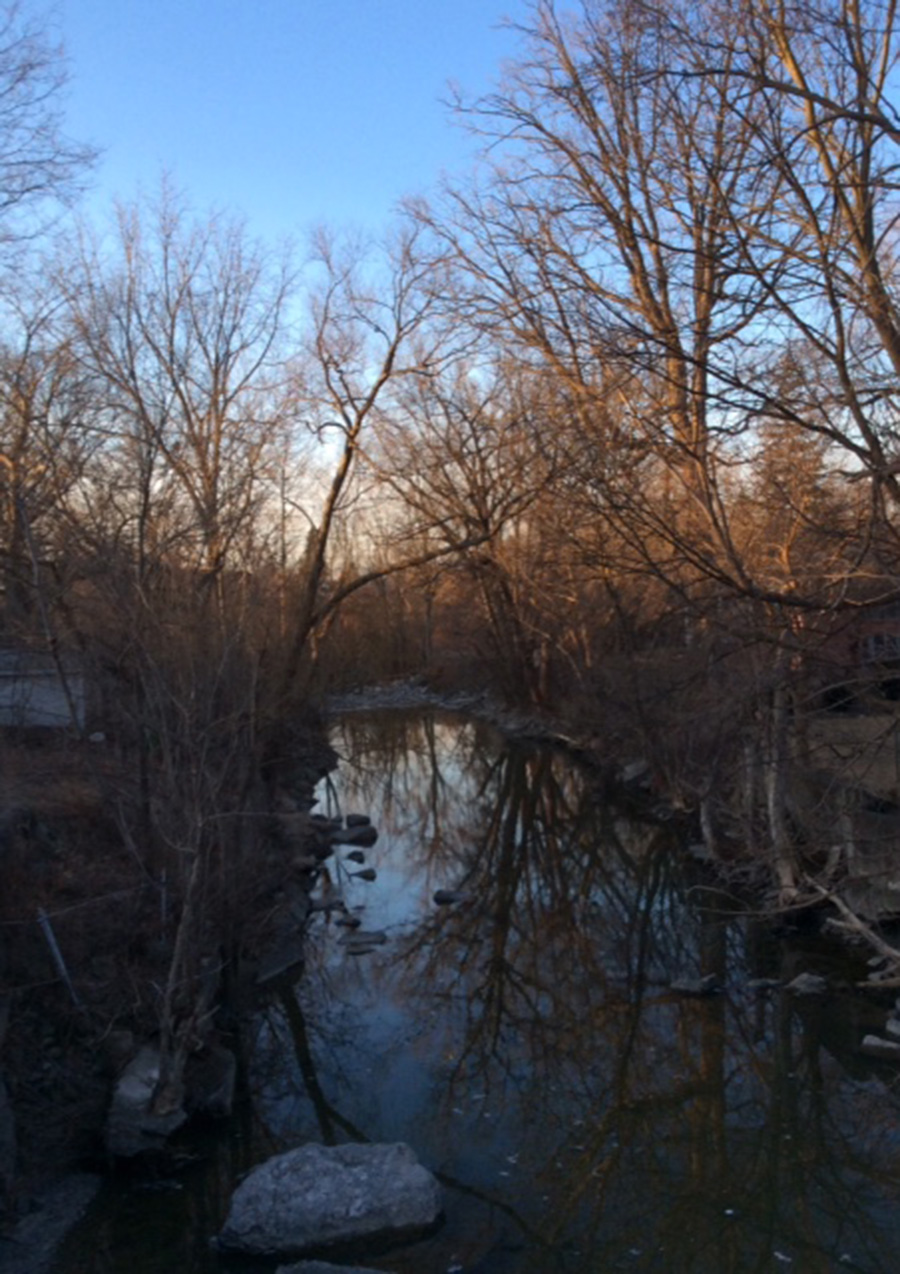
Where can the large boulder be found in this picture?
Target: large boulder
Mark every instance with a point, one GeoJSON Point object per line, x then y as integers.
{"type": "Point", "coordinates": [323, 1196]}
{"type": "Point", "coordinates": [131, 1126]}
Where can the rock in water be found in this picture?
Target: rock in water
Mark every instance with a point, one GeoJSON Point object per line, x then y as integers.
{"type": "Point", "coordinates": [697, 987]}
{"type": "Point", "coordinates": [131, 1126]}
{"type": "Point", "coordinates": [372, 937]}
{"type": "Point", "coordinates": [362, 837]}
{"type": "Point", "coordinates": [447, 897]}
{"type": "Point", "coordinates": [875, 1046]}
{"type": "Point", "coordinates": [320, 1196]}
{"type": "Point", "coordinates": [808, 984]}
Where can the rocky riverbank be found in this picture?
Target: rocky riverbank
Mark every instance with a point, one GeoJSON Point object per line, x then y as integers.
{"type": "Point", "coordinates": [86, 939]}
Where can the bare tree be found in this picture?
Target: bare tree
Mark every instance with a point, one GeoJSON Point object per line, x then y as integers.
{"type": "Point", "coordinates": [689, 219]}
{"type": "Point", "coordinates": [677, 201]}
{"type": "Point", "coordinates": [470, 457]}
{"type": "Point", "coordinates": [182, 328]}
{"type": "Point", "coordinates": [370, 333]}
{"type": "Point", "coordinates": [830, 66]}
{"type": "Point", "coordinates": [603, 243]}
{"type": "Point", "coordinates": [44, 445]}
{"type": "Point", "coordinates": [40, 167]}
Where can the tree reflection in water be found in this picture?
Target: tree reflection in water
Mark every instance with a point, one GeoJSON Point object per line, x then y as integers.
{"type": "Point", "coordinates": [527, 1042]}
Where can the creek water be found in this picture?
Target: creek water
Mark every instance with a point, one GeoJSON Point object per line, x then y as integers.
{"type": "Point", "coordinates": [527, 1042]}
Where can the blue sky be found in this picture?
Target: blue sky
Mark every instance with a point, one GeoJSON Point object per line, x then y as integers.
{"type": "Point", "coordinates": [291, 112]}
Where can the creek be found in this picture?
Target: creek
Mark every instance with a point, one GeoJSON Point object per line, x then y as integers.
{"type": "Point", "coordinates": [528, 1041]}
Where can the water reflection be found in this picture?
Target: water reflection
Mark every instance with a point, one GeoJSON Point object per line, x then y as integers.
{"type": "Point", "coordinates": [527, 1043]}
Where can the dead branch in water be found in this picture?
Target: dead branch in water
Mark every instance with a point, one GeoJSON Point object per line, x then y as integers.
{"type": "Point", "coordinates": [851, 923]}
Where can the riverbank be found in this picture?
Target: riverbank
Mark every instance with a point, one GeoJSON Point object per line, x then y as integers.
{"type": "Point", "coordinates": [87, 934]}
{"type": "Point", "coordinates": [841, 791]}
{"type": "Point", "coordinates": [582, 969]}
{"type": "Point", "coordinates": [67, 1040]}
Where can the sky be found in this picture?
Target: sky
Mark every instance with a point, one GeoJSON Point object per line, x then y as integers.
{"type": "Point", "coordinates": [292, 113]}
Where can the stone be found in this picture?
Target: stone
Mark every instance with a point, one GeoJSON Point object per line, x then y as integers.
{"type": "Point", "coordinates": [875, 1046]}
{"type": "Point", "coordinates": [697, 987]}
{"type": "Point", "coordinates": [447, 897]}
{"type": "Point", "coordinates": [361, 941]}
{"type": "Point", "coordinates": [131, 1127]}
{"type": "Point", "coordinates": [34, 1243]}
{"type": "Point", "coordinates": [362, 837]}
{"type": "Point", "coordinates": [636, 771]}
{"type": "Point", "coordinates": [892, 1028]}
{"type": "Point", "coordinates": [700, 853]}
{"type": "Point", "coordinates": [808, 984]}
{"type": "Point", "coordinates": [374, 937]}
{"type": "Point", "coordinates": [323, 1196]}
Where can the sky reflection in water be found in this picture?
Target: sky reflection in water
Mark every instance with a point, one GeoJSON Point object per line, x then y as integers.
{"type": "Point", "coordinates": [527, 1044]}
